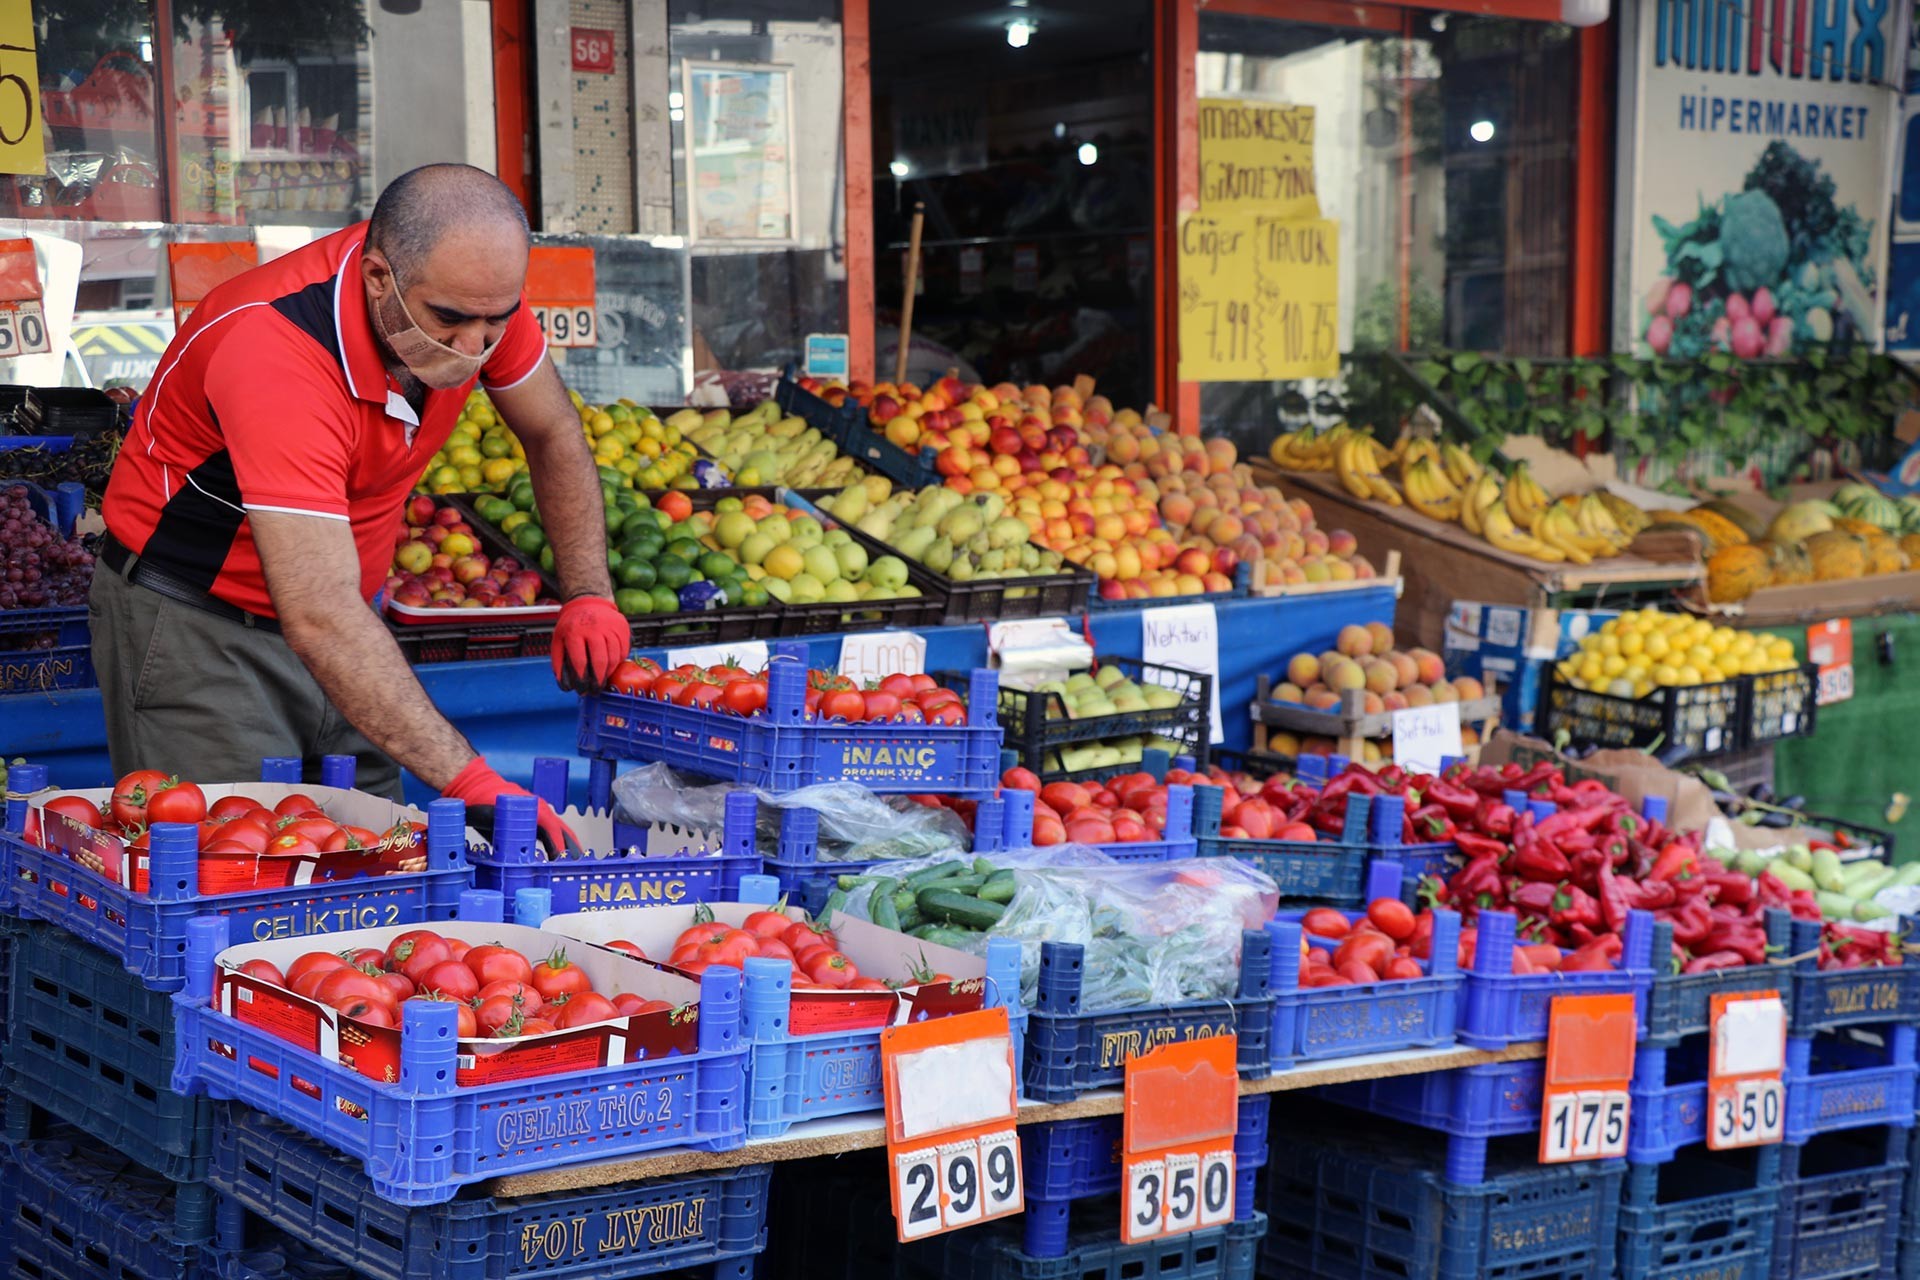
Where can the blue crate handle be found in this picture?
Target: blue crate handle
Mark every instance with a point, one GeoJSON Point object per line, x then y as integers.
{"type": "Point", "coordinates": [337, 771]}
{"type": "Point", "coordinates": [990, 825]}
{"type": "Point", "coordinates": [532, 906]}
{"type": "Point", "coordinates": [1156, 763]}
{"type": "Point", "coordinates": [1184, 762]}
{"type": "Point", "coordinates": [1386, 824]}
{"type": "Point", "coordinates": [282, 769]}
{"type": "Point", "coordinates": [1654, 808]}
{"type": "Point", "coordinates": [1337, 765]}
{"type": "Point", "coordinates": [1017, 823]}
{"type": "Point", "coordinates": [1514, 800]}
{"type": "Point", "coordinates": [759, 891]}
{"type": "Point", "coordinates": [1312, 768]}
{"type": "Point", "coordinates": [550, 779]}
{"type": "Point", "coordinates": [1542, 809]}
{"type": "Point", "coordinates": [1180, 811]}
{"type": "Point", "coordinates": [1493, 949]}
{"type": "Point", "coordinates": [24, 781]}
{"type": "Point", "coordinates": [1447, 762]}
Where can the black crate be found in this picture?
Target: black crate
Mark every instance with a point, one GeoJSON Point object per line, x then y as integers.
{"type": "Point", "coordinates": [422, 645]}
{"type": "Point", "coordinates": [1034, 724]}
{"type": "Point", "coordinates": [1063, 594]}
{"type": "Point", "coordinates": [1780, 704]}
{"type": "Point", "coordinates": [67, 411]}
{"type": "Point", "coordinates": [1698, 720]}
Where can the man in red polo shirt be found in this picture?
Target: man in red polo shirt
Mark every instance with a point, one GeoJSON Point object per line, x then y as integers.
{"type": "Point", "coordinates": [251, 514]}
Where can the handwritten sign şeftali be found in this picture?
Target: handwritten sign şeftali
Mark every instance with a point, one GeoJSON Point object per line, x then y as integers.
{"type": "Point", "coordinates": [1186, 636]}
{"type": "Point", "coordinates": [1259, 298]}
{"type": "Point", "coordinates": [1423, 736]}
{"type": "Point", "coordinates": [1257, 157]}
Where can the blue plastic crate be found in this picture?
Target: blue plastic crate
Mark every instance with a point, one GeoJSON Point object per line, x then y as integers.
{"type": "Point", "coordinates": [62, 505]}
{"type": "Point", "coordinates": [1325, 871]}
{"type": "Point", "coordinates": [1840, 1206]}
{"type": "Point", "coordinates": [1501, 1007]}
{"type": "Point", "coordinates": [1310, 1023]}
{"type": "Point", "coordinates": [422, 1138]}
{"type": "Point", "coordinates": [1470, 1105]}
{"type": "Point", "coordinates": [782, 750]}
{"type": "Point", "coordinates": [1704, 1216]}
{"type": "Point", "coordinates": [72, 1209]}
{"type": "Point", "coordinates": [807, 881]}
{"type": "Point", "coordinates": [1846, 1079]}
{"type": "Point", "coordinates": [1386, 840]}
{"type": "Point", "coordinates": [1349, 1202]}
{"type": "Point", "coordinates": [1681, 1004]}
{"type": "Point", "coordinates": [263, 1168]}
{"type": "Point", "coordinates": [1669, 1090]}
{"type": "Point", "coordinates": [89, 1045]}
{"type": "Point", "coordinates": [1241, 589]}
{"type": "Point", "coordinates": [624, 876]}
{"type": "Point", "coordinates": [47, 670]}
{"type": "Point", "coordinates": [1069, 1052]}
{"type": "Point", "coordinates": [1176, 842]}
{"type": "Point", "coordinates": [1094, 1252]}
{"type": "Point", "coordinates": [846, 425]}
{"type": "Point", "coordinates": [1067, 1160]}
{"type": "Point", "coordinates": [1825, 1001]}
{"type": "Point", "coordinates": [147, 932]}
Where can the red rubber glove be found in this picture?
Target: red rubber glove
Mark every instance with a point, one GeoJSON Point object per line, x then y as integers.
{"type": "Point", "coordinates": [478, 787]}
{"type": "Point", "coordinates": [590, 639]}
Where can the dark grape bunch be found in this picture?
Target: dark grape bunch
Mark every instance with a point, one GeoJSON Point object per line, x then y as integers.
{"type": "Point", "coordinates": [39, 569]}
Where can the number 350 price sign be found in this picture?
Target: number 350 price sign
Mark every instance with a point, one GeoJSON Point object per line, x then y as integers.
{"type": "Point", "coordinates": [1746, 1101]}
{"type": "Point", "coordinates": [1182, 1106]}
{"type": "Point", "coordinates": [951, 1143]}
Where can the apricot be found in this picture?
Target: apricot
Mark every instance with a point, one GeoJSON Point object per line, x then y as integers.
{"type": "Point", "coordinates": [1354, 641]}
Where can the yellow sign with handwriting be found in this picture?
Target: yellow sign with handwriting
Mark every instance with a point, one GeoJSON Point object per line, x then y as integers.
{"type": "Point", "coordinates": [1259, 298]}
{"type": "Point", "coordinates": [1257, 157]}
{"type": "Point", "coordinates": [23, 148]}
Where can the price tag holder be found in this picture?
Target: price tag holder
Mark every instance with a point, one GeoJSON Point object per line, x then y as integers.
{"type": "Point", "coordinates": [560, 289]}
{"type": "Point", "coordinates": [195, 270]}
{"type": "Point", "coordinates": [1746, 1100]}
{"type": "Point", "coordinates": [1586, 1107]}
{"type": "Point", "coordinates": [23, 318]}
{"type": "Point", "coordinates": [952, 1148]}
{"type": "Point", "coordinates": [1424, 736]}
{"type": "Point", "coordinates": [1830, 648]}
{"type": "Point", "coordinates": [1181, 1107]}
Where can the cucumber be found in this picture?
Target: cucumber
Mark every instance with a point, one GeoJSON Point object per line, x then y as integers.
{"type": "Point", "coordinates": [902, 899]}
{"type": "Point", "coordinates": [1001, 888]}
{"type": "Point", "coordinates": [1867, 909]}
{"type": "Point", "coordinates": [910, 919]}
{"type": "Point", "coordinates": [1868, 885]}
{"type": "Point", "coordinates": [927, 875]}
{"type": "Point", "coordinates": [1827, 871]}
{"type": "Point", "coordinates": [959, 908]}
{"type": "Point", "coordinates": [946, 935]}
{"type": "Point", "coordinates": [1855, 872]}
{"type": "Point", "coordinates": [1792, 877]}
{"type": "Point", "coordinates": [984, 867]}
{"type": "Point", "coordinates": [1835, 906]}
{"type": "Point", "coordinates": [851, 883]}
{"type": "Point", "coordinates": [880, 908]}
{"type": "Point", "coordinates": [969, 884]}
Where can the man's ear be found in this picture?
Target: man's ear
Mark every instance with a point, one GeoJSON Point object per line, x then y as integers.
{"type": "Point", "coordinates": [378, 274]}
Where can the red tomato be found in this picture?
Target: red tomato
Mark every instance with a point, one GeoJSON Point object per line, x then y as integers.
{"type": "Point", "coordinates": [1322, 978]}
{"type": "Point", "coordinates": [631, 677]}
{"type": "Point", "coordinates": [399, 986]}
{"type": "Point", "coordinates": [774, 949]}
{"type": "Point", "coordinates": [880, 704]}
{"type": "Point", "coordinates": [868, 984]}
{"type": "Point", "coordinates": [469, 1024]}
{"type": "Point", "coordinates": [84, 812]}
{"type": "Point", "coordinates": [528, 998]}
{"type": "Point", "coordinates": [265, 971]}
{"type": "Point", "coordinates": [180, 802]}
{"type": "Point", "coordinates": [318, 830]}
{"type": "Point", "coordinates": [1403, 967]}
{"type": "Point", "coordinates": [348, 981]}
{"type": "Point", "coordinates": [361, 1009]}
{"type": "Point", "coordinates": [536, 1027]}
{"type": "Point", "coordinates": [585, 1008]}
{"type": "Point", "coordinates": [492, 962]}
{"type": "Point", "coordinates": [1371, 949]}
{"type": "Point", "coordinates": [800, 932]}
{"type": "Point", "coordinates": [313, 962]}
{"type": "Point", "coordinates": [844, 704]}
{"type": "Point", "coordinates": [899, 684]}
{"type": "Point", "coordinates": [232, 807]}
{"type": "Point", "coordinates": [812, 704]}
{"type": "Point", "coordinates": [494, 1012]}
{"type": "Point", "coordinates": [1355, 972]}
{"type": "Point", "coordinates": [683, 695]}
{"type": "Point", "coordinates": [459, 949]}
{"type": "Point", "coordinates": [297, 805]}
{"type": "Point", "coordinates": [131, 794]}
{"type": "Point", "coordinates": [931, 695]}
{"type": "Point", "coordinates": [1323, 922]}
{"type": "Point", "coordinates": [450, 978]}
{"type": "Point", "coordinates": [910, 713]}
{"type": "Point", "coordinates": [946, 713]}
{"type": "Point", "coordinates": [704, 695]}
{"type": "Point", "coordinates": [1391, 917]}
{"type": "Point", "coordinates": [414, 944]}
{"type": "Point", "coordinates": [701, 934]}
{"type": "Point", "coordinates": [744, 697]}
{"type": "Point", "coordinates": [736, 948]}
{"type": "Point", "coordinates": [626, 1004]}
{"type": "Point", "coordinates": [229, 847]}
{"type": "Point", "coordinates": [631, 948]}
{"type": "Point", "coordinates": [291, 845]}
{"type": "Point", "coordinates": [559, 976]}
{"type": "Point", "coordinates": [767, 924]}
{"type": "Point", "coordinates": [832, 969]}
{"type": "Point", "coordinates": [248, 832]}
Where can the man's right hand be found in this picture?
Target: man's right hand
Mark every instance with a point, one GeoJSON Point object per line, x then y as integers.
{"type": "Point", "coordinates": [478, 787]}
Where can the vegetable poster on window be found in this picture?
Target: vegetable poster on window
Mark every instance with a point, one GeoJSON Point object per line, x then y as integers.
{"type": "Point", "coordinates": [1755, 176]}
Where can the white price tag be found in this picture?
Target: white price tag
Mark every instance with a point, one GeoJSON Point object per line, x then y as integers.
{"type": "Point", "coordinates": [1146, 1206]}
{"type": "Point", "coordinates": [1750, 1038]}
{"type": "Point", "coordinates": [1179, 1192]}
{"type": "Point", "coordinates": [1000, 1173]}
{"type": "Point", "coordinates": [1183, 1192]}
{"type": "Point", "coordinates": [1216, 1188]}
{"type": "Point", "coordinates": [916, 1175]}
{"type": "Point", "coordinates": [960, 1178]}
{"type": "Point", "coordinates": [1586, 1126]}
{"type": "Point", "coordinates": [952, 1086]}
{"type": "Point", "coordinates": [569, 326]}
{"type": "Point", "coordinates": [1836, 685]}
{"type": "Point", "coordinates": [1423, 736]}
{"type": "Point", "coordinates": [1186, 636]}
{"type": "Point", "coordinates": [23, 329]}
{"type": "Point", "coordinates": [1751, 1113]}
{"type": "Point", "coordinates": [957, 1184]}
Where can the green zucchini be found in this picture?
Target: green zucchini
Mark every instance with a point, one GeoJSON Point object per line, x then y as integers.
{"type": "Point", "coordinates": [960, 908]}
{"type": "Point", "coordinates": [984, 867]}
{"type": "Point", "coordinates": [945, 935]}
{"type": "Point", "coordinates": [927, 875]}
{"type": "Point", "coordinates": [999, 888]}
{"type": "Point", "coordinates": [880, 908]}
{"type": "Point", "coordinates": [851, 883]}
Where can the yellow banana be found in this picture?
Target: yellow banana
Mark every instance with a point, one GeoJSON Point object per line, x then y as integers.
{"type": "Point", "coordinates": [1460, 465]}
{"type": "Point", "coordinates": [1417, 449]}
{"type": "Point", "coordinates": [1423, 479]}
{"type": "Point", "coordinates": [1346, 464]}
{"type": "Point", "coordinates": [1597, 522]}
{"type": "Point", "coordinates": [1473, 501]}
{"type": "Point", "coordinates": [1383, 457]}
{"type": "Point", "coordinates": [1631, 519]}
{"type": "Point", "coordinates": [1524, 497]}
{"type": "Point", "coordinates": [1555, 527]}
{"type": "Point", "coordinates": [1500, 532]}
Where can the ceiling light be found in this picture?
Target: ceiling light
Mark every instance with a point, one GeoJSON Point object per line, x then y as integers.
{"type": "Point", "coordinates": [1088, 153]}
{"type": "Point", "coordinates": [675, 100]}
{"type": "Point", "coordinates": [1481, 131]}
{"type": "Point", "coordinates": [1019, 31]}
{"type": "Point", "coordinates": [899, 168]}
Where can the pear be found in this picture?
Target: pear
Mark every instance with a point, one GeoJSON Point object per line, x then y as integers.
{"type": "Point", "coordinates": [938, 553]}
{"type": "Point", "coordinates": [962, 569]}
{"type": "Point", "coordinates": [961, 525]}
{"type": "Point", "coordinates": [918, 544]}
{"type": "Point", "coordinates": [850, 503]}
{"type": "Point", "coordinates": [875, 524]}
{"type": "Point", "coordinates": [1109, 676]}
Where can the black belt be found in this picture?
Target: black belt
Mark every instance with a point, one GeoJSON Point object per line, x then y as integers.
{"type": "Point", "coordinates": [144, 573]}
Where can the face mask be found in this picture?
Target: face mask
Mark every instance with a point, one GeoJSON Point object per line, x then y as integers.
{"type": "Point", "coordinates": [433, 362]}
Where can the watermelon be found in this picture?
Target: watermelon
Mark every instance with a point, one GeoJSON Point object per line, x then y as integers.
{"type": "Point", "coordinates": [1909, 513]}
{"type": "Point", "coordinates": [1873, 507]}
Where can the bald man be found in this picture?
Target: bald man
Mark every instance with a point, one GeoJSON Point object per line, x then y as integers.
{"type": "Point", "coordinates": [252, 512]}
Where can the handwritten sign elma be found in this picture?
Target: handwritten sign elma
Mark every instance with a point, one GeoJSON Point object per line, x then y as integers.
{"type": "Point", "coordinates": [1259, 298]}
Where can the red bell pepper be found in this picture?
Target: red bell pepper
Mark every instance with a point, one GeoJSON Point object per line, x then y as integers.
{"type": "Point", "coordinates": [1715, 960]}
{"type": "Point", "coordinates": [1692, 923]}
{"type": "Point", "coordinates": [1493, 817]}
{"type": "Point", "coordinates": [1601, 954]}
{"type": "Point", "coordinates": [1461, 802]}
{"type": "Point", "coordinates": [1478, 846]}
{"type": "Point", "coordinates": [1676, 861]}
{"type": "Point", "coordinates": [1613, 900]}
{"type": "Point", "coordinates": [1541, 861]}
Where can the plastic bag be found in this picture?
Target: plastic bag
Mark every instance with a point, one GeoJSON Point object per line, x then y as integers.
{"type": "Point", "coordinates": [1155, 933]}
{"type": "Point", "coordinates": [855, 824]}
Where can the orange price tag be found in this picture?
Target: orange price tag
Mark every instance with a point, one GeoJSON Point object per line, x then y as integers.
{"type": "Point", "coordinates": [560, 289]}
{"type": "Point", "coordinates": [1830, 648]}
{"type": "Point", "coordinates": [1746, 1101]}
{"type": "Point", "coordinates": [23, 319]}
{"type": "Point", "coordinates": [1584, 1113]}
{"type": "Point", "coordinates": [1181, 1108]}
{"type": "Point", "coordinates": [952, 1149]}
{"type": "Point", "coordinates": [197, 269]}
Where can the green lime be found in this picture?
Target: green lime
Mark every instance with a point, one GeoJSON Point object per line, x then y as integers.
{"type": "Point", "coordinates": [614, 558]}
{"type": "Point", "coordinates": [521, 496]}
{"type": "Point", "coordinates": [633, 572]}
{"type": "Point", "coordinates": [672, 572]}
{"type": "Point", "coordinates": [718, 565]}
{"type": "Point", "coordinates": [641, 502]}
{"type": "Point", "coordinates": [665, 600]}
{"type": "Point", "coordinates": [685, 549]}
{"type": "Point", "coordinates": [753, 596]}
{"type": "Point", "coordinates": [493, 510]}
{"type": "Point", "coordinates": [530, 539]}
{"type": "Point", "coordinates": [609, 476]}
{"type": "Point", "coordinates": [633, 603]}
{"type": "Point", "coordinates": [546, 559]}
{"type": "Point", "coordinates": [639, 522]}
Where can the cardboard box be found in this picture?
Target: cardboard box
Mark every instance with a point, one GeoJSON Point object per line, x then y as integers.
{"type": "Point", "coordinates": [1511, 646]}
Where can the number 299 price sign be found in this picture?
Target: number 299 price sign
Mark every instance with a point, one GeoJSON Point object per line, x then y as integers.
{"type": "Point", "coordinates": [952, 1149]}
{"type": "Point", "coordinates": [1586, 1107]}
{"type": "Point", "coordinates": [1181, 1108]}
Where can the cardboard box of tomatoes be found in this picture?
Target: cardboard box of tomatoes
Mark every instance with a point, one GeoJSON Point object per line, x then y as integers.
{"type": "Point", "coordinates": [528, 1003]}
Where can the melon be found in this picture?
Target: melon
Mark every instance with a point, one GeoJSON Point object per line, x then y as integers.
{"type": "Point", "coordinates": [1876, 509]}
{"type": "Point", "coordinates": [1791, 564]}
{"type": "Point", "coordinates": [1837, 555]}
{"type": "Point", "coordinates": [1721, 531]}
{"type": "Point", "coordinates": [1884, 555]}
{"type": "Point", "coordinates": [1799, 522]}
{"type": "Point", "coordinates": [1909, 513]}
{"type": "Point", "coordinates": [1748, 522]}
{"type": "Point", "coordinates": [1859, 528]}
{"type": "Point", "coordinates": [1910, 543]}
{"type": "Point", "coordinates": [1734, 573]}
{"type": "Point", "coordinates": [1847, 494]}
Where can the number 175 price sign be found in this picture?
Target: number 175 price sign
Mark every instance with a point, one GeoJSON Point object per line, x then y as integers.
{"type": "Point", "coordinates": [1586, 1107]}
{"type": "Point", "coordinates": [951, 1143]}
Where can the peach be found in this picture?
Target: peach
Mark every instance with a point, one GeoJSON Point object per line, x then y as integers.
{"type": "Point", "coordinates": [1323, 700]}
{"type": "Point", "coordinates": [1126, 559]}
{"type": "Point", "coordinates": [1189, 584]}
{"type": "Point", "coordinates": [1287, 691]}
{"type": "Point", "coordinates": [1315, 542]}
{"type": "Point", "coordinates": [1381, 677]}
{"type": "Point", "coordinates": [1371, 755]}
{"type": "Point", "coordinates": [1225, 528]}
{"type": "Point", "coordinates": [1406, 671]}
{"type": "Point", "coordinates": [1216, 581]}
{"type": "Point", "coordinates": [1105, 564]}
{"type": "Point", "coordinates": [1432, 669]}
{"type": "Point", "coordinates": [1363, 569]}
{"type": "Point", "coordinates": [1382, 635]}
{"type": "Point", "coordinates": [1468, 689]}
{"type": "Point", "coordinates": [1341, 543]}
{"type": "Point", "coordinates": [1395, 701]}
{"type": "Point", "coordinates": [1445, 692]}
{"type": "Point", "coordinates": [1303, 669]}
{"type": "Point", "coordinates": [1370, 704]}
{"type": "Point", "coordinates": [1354, 641]}
{"type": "Point", "coordinates": [1419, 696]}
{"type": "Point", "coordinates": [1340, 570]}
{"type": "Point", "coordinates": [1348, 675]}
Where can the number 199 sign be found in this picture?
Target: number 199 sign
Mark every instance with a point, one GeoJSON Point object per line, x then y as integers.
{"type": "Point", "coordinates": [951, 1143]}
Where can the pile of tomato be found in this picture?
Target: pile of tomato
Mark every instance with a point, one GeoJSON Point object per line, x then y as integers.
{"type": "Point", "coordinates": [814, 953]}
{"type": "Point", "coordinates": [235, 824]}
{"type": "Point", "coordinates": [897, 699]}
{"type": "Point", "coordinates": [1386, 944]}
{"type": "Point", "coordinates": [498, 991]}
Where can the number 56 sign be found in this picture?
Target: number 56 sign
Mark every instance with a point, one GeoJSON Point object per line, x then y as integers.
{"type": "Point", "coordinates": [951, 1143]}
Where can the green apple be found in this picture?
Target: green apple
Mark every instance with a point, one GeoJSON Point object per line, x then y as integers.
{"type": "Point", "coordinates": [889, 572]}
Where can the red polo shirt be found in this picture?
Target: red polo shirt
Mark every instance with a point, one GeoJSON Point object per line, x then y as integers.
{"type": "Point", "coordinates": [274, 397]}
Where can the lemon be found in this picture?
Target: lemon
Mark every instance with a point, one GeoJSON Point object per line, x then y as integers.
{"type": "Point", "coordinates": [1632, 644]}
{"type": "Point", "coordinates": [1608, 644]}
{"type": "Point", "coordinates": [600, 424]}
{"type": "Point", "coordinates": [498, 470]}
{"type": "Point", "coordinates": [1657, 645]}
{"type": "Point", "coordinates": [470, 476]}
{"type": "Point", "coordinates": [464, 455]}
{"type": "Point", "coordinates": [609, 449]}
{"type": "Point", "coordinates": [628, 466]}
{"type": "Point", "coordinates": [444, 475]}
{"type": "Point", "coordinates": [1689, 674]}
{"type": "Point", "coordinates": [1780, 649]}
{"type": "Point", "coordinates": [1665, 674]}
{"type": "Point", "coordinates": [648, 447]}
{"type": "Point", "coordinates": [509, 523]}
{"type": "Point", "coordinates": [1612, 665]}
{"type": "Point", "coordinates": [495, 445]}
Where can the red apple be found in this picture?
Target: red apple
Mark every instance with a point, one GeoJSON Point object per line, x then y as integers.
{"type": "Point", "coordinates": [448, 516]}
{"type": "Point", "coordinates": [420, 509]}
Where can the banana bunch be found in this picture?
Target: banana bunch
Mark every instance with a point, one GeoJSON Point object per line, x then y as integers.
{"type": "Point", "coordinates": [1430, 490]}
{"type": "Point", "coordinates": [1498, 528]}
{"type": "Point", "coordinates": [1485, 491]}
{"type": "Point", "coordinates": [1525, 498]}
{"type": "Point", "coordinates": [1631, 520]}
{"type": "Point", "coordinates": [1357, 460]}
{"type": "Point", "coordinates": [1308, 450]}
{"type": "Point", "coordinates": [1460, 465]}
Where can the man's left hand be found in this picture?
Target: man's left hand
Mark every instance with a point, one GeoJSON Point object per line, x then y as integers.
{"type": "Point", "coordinates": [590, 639]}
